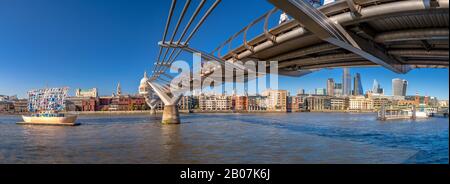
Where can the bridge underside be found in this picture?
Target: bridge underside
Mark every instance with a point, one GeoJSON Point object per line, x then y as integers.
{"type": "Point", "coordinates": [412, 33]}
{"type": "Point", "coordinates": [398, 35]}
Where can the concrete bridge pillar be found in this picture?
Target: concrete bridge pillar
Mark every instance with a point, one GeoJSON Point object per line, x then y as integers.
{"type": "Point", "coordinates": [171, 115]}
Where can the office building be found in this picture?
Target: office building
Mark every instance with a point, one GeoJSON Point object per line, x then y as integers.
{"type": "Point", "coordinates": [338, 103]}
{"type": "Point", "coordinates": [240, 103]}
{"type": "Point", "coordinates": [399, 87]}
{"type": "Point", "coordinates": [320, 91]}
{"type": "Point", "coordinates": [256, 103]}
{"type": "Point", "coordinates": [215, 102]}
{"type": "Point", "coordinates": [301, 92]}
{"type": "Point", "coordinates": [360, 103]}
{"type": "Point", "coordinates": [86, 92]}
{"type": "Point", "coordinates": [338, 90]}
{"type": "Point", "coordinates": [346, 82]}
{"type": "Point", "coordinates": [317, 103]}
{"type": "Point", "coordinates": [276, 100]}
{"type": "Point", "coordinates": [376, 88]}
{"type": "Point", "coordinates": [330, 87]}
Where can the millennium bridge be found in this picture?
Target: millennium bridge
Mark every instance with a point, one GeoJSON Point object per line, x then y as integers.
{"type": "Point", "coordinates": [397, 35]}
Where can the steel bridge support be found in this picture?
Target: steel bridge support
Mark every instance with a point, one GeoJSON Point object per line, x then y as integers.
{"type": "Point", "coordinates": [152, 104]}
{"type": "Point", "coordinates": [170, 113]}
{"type": "Point", "coordinates": [330, 31]}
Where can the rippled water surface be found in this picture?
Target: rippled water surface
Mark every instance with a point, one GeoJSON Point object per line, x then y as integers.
{"type": "Point", "coordinates": [228, 138]}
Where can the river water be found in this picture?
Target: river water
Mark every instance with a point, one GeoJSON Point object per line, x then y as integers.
{"type": "Point", "coordinates": [229, 138]}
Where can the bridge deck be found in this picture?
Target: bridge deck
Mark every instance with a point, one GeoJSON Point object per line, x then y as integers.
{"type": "Point", "coordinates": [412, 32]}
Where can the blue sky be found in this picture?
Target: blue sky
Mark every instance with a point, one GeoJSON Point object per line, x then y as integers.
{"type": "Point", "coordinates": [98, 43]}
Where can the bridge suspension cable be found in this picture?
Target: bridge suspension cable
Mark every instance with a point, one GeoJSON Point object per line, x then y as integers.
{"type": "Point", "coordinates": [163, 62]}
{"type": "Point", "coordinates": [185, 43]}
{"type": "Point", "coordinates": [174, 2]}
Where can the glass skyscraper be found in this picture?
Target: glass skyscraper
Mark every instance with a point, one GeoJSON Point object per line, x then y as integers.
{"type": "Point", "coordinates": [357, 85]}
{"type": "Point", "coordinates": [376, 88]}
{"type": "Point", "coordinates": [337, 89]}
{"type": "Point", "coordinates": [347, 82]}
{"type": "Point", "coordinates": [320, 91]}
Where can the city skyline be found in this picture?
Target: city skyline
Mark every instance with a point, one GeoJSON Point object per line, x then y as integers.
{"type": "Point", "coordinates": [330, 82]}
{"type": "Point", "coordinates": [322, 85]}
{"type": "Point", "coordinates": [114, 42]}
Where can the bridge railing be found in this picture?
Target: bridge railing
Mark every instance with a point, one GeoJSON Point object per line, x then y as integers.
{"type": "Point", "coordinates": [265, 18]}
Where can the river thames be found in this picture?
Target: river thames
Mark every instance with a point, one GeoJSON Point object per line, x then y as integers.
{"type": "Point", "coordinates": [229, 138]}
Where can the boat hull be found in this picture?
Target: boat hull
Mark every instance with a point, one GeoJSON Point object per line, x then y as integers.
{"type": "Point", "coordinates": [66, 120]}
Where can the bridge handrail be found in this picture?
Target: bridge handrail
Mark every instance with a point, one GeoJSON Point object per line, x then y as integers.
{"type": "Point", "coordinates": [336, 7]}
{"type": "Point", "coordinates": [244, 31]}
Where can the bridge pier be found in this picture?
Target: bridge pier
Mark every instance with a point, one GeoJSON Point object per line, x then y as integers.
{"type": "Point", "coordinates": [171, 115]}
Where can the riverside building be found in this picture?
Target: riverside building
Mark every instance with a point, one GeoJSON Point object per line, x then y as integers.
{"type": "Point", "coordinates": [276, 100]}
{"type": "Point", "coordinates": [317, 103]}
{"type": "Point", "coordinates": [330, 87]}
{"type": "Point", "coordinates": [20, 105]}
{"type": "Point", "coordinates": [338, 103]}
{"type": "Point", "coordinates": [215, 102]}
{"type": "Point", "coordinates": [360, 103]}
{"type": "Point", "coordinates": [256, 103]}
